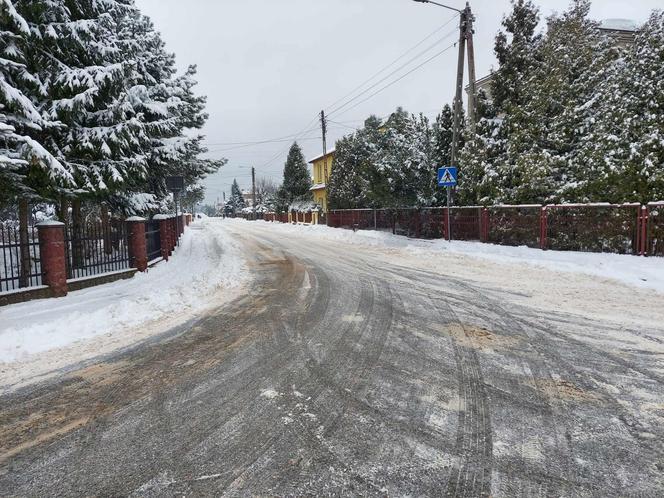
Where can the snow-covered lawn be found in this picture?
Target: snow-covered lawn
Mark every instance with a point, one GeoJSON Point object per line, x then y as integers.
{"type": "Point", "coordinates": [205, 270]}
{"type": "Point", "coordinates": [631, 270]}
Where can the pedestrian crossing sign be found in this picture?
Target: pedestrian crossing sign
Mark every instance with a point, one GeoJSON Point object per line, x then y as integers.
{"type": "Point", "coordinates": [447, 177]}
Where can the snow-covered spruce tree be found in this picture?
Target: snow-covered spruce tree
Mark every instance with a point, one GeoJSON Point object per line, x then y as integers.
{"type": "Point", "coordinates": [350, 185]}
{"type": "Point", "coordinates": [169, 107]}
{"type": "Point", "coordinates": [482, 147]}
{"type": "Point", "coordinates": [515, 50]}
{"type": "Point", "coordinates": [236, 201]}
{"type": "Point", "coordinates": [400, 171]}
{"type": "Point", "coordinates": [570, 63]}
{"type": "Point", "coordinates": [623, 154]}
{"type": "Point", "coordinates": [297, 179]}
{"type": "Point", "coordinates": [393, 183]}
{"type": "Point", "coordinates": [84, 72]}
{"type": "Point", "coordinates": [27, 169]}
{"type": "Point", "coordinates": [425, 167]}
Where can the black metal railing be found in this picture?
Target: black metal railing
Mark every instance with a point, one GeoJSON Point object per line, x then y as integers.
{"type": "Point", "coordinates": [94, 248]}
{"type": "Point", "coordinates": [20, 265]}
{"type": "Point", "coordinates": [153, 239]}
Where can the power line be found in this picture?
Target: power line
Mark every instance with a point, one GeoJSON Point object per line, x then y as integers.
{"type": "Point", "coordinates": [281, 152]}
{"type": "Point", "coordinates": [417, 45]}
{"type": "Point", "coordinates": [257, 144]}
{"type": "Point", "coordinates": [400, 78]}
{"type": "Point", "coordinates": [392, 73]}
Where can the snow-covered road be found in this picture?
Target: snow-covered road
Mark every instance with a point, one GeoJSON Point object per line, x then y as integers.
{"type": "Point", "coordinates": [353, 367]}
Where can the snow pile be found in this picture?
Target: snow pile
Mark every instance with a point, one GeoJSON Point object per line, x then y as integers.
{"type": "Point", "coordinates": [206, 262]}
{"type": "Point", "coordinates": [631, 270]}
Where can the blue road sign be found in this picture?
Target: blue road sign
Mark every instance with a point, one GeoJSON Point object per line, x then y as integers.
{"type": "Point", "coordinates": [447, 177]}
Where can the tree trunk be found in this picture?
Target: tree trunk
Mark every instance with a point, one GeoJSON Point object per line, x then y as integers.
{"type": "Point", "coordinates": [77, 234]}
{"type": "Point", "coordinates": [106, 229]}
{"type": "Point", "coordinates": [24, 241]}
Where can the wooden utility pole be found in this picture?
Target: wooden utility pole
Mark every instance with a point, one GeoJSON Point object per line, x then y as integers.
{"type": "Point", "coordinates": [458, 99]}
{"type": "Point", "coordinates": [323, 125]}
{"type": "Point", "coordinates": [253, 191]}
{"type": "Point", "coordinates": [472, 77]}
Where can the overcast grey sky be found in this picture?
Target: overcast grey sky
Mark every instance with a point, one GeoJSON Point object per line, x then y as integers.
{"type": "Point", "coordinates": [269, 66]}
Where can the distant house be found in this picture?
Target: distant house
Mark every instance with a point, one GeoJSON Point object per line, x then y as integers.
{"type": "Point", "coordinates": [322, 169]}
{"type": "Point", "coordinates": [622, 31]}
{"type": "Point", "coordinates": [248, 198]}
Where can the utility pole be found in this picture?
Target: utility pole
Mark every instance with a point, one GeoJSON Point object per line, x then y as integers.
{"type": "Point", "coordinates": [458, 99]}
{"type": "Point", "coordinates": [253, 190]}
{"type": "Point", "coordinates": [465, 43]}
{"type": "Point", "coordinates": [323, 125]}
{"type": "Point", "coordinates": [472, 78]}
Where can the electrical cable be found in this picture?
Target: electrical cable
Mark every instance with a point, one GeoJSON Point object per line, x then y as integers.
{"type": "Point", "coordinates": [385, 78]}
{"type": "Point", "coordinates": [417, 45]}
{"type": "Point", "coordinates": [400, 78]}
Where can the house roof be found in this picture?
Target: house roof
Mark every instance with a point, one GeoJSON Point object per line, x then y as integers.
{"type": "Point", "coordinates": [318, 186]}
{"type": "Point", "coordinates": [329, 153]}
{"type": "Point", "coordinates": [619, 25]}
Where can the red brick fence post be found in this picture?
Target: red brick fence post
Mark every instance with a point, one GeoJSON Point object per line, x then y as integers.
{"type": "Point", "coordinates": [138, 253]}
{"type": "Point", "coordinates": [52, 255]}
{"type": "Point", "coordinates": [163, 235]}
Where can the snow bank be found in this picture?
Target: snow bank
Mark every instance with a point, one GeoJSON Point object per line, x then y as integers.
{"type": "Point", "coordinates": [206, 261]}
{"type": "Point", "coordinates": [631, 270]}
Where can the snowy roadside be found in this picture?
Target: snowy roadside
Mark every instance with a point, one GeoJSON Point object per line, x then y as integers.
{"type": "Point", "coordinates": [40, 336]}
{"type": "Point", "coordinates": [647, 273]}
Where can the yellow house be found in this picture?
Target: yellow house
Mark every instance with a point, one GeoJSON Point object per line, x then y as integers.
{"type": "Point", "coordinates": [322, 171]}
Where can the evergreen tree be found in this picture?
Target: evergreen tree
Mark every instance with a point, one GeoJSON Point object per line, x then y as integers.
{"type": "Point", "coordinates": [515, 50]}
{"type": "Point", "coordinates": [297, 179]}
{"type": "Point", "coordinates": [350, 182]}
{"type": "Point", "coordinates": [482, 147]}
{"type": "Point", "coordinates": [571, 62]}
{"type": "Point", "coordinates": [236, 202]}
{"type": "Point", "coordinates": [27, 169]}
{"type": "Point", "coordinates": [623, 154]}
{"type": "Point", "coordinates": [115, 117]}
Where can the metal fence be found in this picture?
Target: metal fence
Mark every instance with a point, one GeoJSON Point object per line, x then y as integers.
{"type": "Point", "coordinates": [153, 239]}
{"type": "Point", "coordinates": [20, 265]}
{"type": "Point", "coordinates": [611, 228]}
{"type": "Point", "coordinates": [593, 228]}
{"type": "Point", "coordinates": [513, 225]}
{"type": "Point", "coordinates": [655, 229]}
{"type": "Point", "coordinates": [93, 248]}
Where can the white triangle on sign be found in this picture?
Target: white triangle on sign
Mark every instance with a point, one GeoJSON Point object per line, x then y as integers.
{"type": "Point", "coordinates": [447, 177]}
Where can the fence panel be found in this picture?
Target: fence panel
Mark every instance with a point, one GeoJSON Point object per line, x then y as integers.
{"type": "Point", "coordinates": [94, 249]}
{"type": "Point", "coordinates": [20, 265]}
{"type": "Point", "coordinates": [432, 223]}
{"type": "Point", "coordinates": [153, 239]}
{"type": "Point", "coordinates": [593, 227]}
{"type": "Point", "coordinates": [465, 223]}
{"type": "Point", "coordinates": [514, 225]}
{"type": "Point", "coordinates": [655, 231]}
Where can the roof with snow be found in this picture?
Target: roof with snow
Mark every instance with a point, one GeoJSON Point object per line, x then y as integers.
{"type": "Point", "coordinates": [303, 206]}
{"type": "Point", "coordinates": [318, 186]}
{"type": "Point", "coordinates": [619, 25]}
{"type": "Point", "coordinates": [329, 153]}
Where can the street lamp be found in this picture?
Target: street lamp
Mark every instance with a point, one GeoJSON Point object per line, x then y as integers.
{"type": "Point", "coordinates": [465, 38]}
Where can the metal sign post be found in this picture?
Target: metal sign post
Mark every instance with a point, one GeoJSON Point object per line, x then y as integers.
{"type": "Point", "coordinates": [447, 177]}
